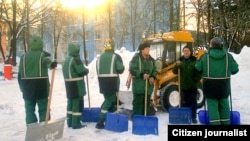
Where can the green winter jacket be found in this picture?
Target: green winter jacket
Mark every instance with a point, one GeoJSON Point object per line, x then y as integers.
{"type": "Point", "coordinates": [33, 71]}
{"type": "Point", "coordinates": [216, 67]}
{"type": "Point", "coordinates": [189, 75]}
{"type": "Point", "coordinates": [137, 67]}
{"type": "Point", "coordinates": [108, 66]}
{"type": "Point", "coordinates": [73, 72]}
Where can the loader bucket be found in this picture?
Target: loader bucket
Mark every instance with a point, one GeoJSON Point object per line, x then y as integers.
{"type": "Point", "coordinates": [52, 130]}
{"type": "Point", "coordinates": [234, 117]}
{"type": "Point", "coordinates": [90, 114]}
{"type": "Point", "coordinates": [116, 122]}
{"type": "Point", "coordinates": [181, 115]}
{"type": "Point", "coordinates": [144, 125]}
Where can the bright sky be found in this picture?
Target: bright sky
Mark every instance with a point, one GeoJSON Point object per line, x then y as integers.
{"type": "Point", "coordinates": [78, 3]}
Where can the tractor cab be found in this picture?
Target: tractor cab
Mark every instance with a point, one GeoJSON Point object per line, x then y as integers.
{"type": "Point", "coordinates": [166, 49]}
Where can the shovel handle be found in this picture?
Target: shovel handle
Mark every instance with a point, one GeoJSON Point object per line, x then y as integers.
{"type": "Point", "coordinates": [179, 86]}
{"type": "Point", "coordinates": [87, 79]}
{"type": "Point", "coordinates": [146, 97]}
{"type": "Point", "coordinates": [117, 102]}
{"type": "Point", "coordinates": [50, 95]}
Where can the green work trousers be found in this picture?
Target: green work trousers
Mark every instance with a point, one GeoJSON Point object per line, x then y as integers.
{"type": "Point", "coordinates": [219, 111]}
{"type": "Point", "coordinates": [74, 112]}
{"type": "Point", "coordinates": [139, 104]}
{"type": "Point", "coordinates": [109, 105]}
{"type": "Point", "coordinates": [30, 108]}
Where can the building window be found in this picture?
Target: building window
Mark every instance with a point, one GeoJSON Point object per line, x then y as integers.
{"type": "Point", "coordinates": [86, 35]}
{"type": "Point", "coordinates": [74, 37]}
{"type": "Point", "coordinates": [97, 35]}
{"type": "Point", "coordinates": [21, 48]}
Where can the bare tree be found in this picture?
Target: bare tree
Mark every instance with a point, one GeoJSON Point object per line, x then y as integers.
{"type": "Point", "coordinates": [227, 19]}
{"type": "Point", "coordinates": [14, 14]}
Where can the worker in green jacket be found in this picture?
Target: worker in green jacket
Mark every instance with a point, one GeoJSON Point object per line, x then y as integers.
{"type": "Point", "coordinates": [217, 66]}
{"type": "Point", "coordinates": [73, 73]}
{"type": "Point", "coordinates": [142, 67]}
{"type": "Point", "coordinates": [33, 79]}
{"type": "Point", "coordinates": [108, 66]}
{"type": "Point", "coordinates": [189, 79]}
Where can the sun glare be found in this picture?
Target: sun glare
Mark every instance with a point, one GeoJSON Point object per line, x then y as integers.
{"type": "Point", "coordinates": [74, 4]}
{"type": "Point", "coordinates": [93, 3]}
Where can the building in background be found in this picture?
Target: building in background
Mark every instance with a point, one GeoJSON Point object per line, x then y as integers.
{"type": "Point", "coordinates": [127, 22]}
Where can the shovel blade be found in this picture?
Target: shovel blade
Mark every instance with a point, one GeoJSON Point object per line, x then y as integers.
{"type": "Point", "coordinates": [204, 118]}
{"type": "Point", "coordinates": [144, 125]}
{"type": "Point", "coordinates": [235, 118]}
{"type": "Point", "coordinates": [90, 114]}
{"type": "Point", "coordinates": [116, 122]}
{"type": "Point", "coordinates": [182, 115]}
{"type": "Point", "coordinates": [51, 130]}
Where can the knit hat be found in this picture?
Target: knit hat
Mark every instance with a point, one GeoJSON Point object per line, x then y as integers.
{"type": "Point", "coordinates": [143, 45]}
{"type": "Point", "coordinates": [216, 42]}
{"type": "Point", "coordinates": [108, 44]}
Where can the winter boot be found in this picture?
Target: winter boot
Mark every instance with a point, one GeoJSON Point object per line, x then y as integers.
{"type": "Point", "coordinates": [79, 126]}
{"type": "Point", "coordinates": [194, 120]}
{"type": "Point", "coordinates": [100, 124]}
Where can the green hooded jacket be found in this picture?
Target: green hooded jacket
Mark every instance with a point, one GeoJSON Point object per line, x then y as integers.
{"type": "Point", "coordinates": [33, 70]}
{"type": "Point", "coordinates": [137, 67]}
{"type": "Point", "coordinates": [216, 67]}
{"type": "Point", "coordinates": [108, 66]}
{"type": "Point", "coordinates": [74, 72]}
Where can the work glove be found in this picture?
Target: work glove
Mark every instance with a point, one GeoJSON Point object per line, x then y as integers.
{"type": "Point", "coordinates": [53, 65]}
{"type": "Point", "coordinates": [178, 63]}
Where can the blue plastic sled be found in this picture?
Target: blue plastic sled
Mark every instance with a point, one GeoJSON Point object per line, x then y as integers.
{"type": "Point", "coordinates": [90, 114]}
{"type": "Point", "coordinates": [144, 125]}
{"type": "Point", "coordinates": [116, 122]}
{"type": "Point", "coordinates": [204, 118]}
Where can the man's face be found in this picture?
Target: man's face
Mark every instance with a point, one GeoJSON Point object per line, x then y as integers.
{"type": "Point", "coordinates": [186, 53]}
{"type": "Point", "coordinates": [145, 51]}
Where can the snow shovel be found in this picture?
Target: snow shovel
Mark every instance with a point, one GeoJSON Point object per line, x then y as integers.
{"type": "Point", "coordinates": [90, 114]}
{"type": "Point", "coordinates": [47, 130]}
{"type": "Point", "coordinates": [204, 118]}
{"type": "Point", "coordinates": [116, 122]}
{"type": "Point", "coordinates": [234, 116]}
{"type": "Point", "coordinates": [144, 125]}
{"type": "Point", "coordinates": [180, 115]}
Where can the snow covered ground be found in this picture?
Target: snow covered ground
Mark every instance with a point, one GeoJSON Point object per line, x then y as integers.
{"type": "Point", "coordinates": [12, 114]}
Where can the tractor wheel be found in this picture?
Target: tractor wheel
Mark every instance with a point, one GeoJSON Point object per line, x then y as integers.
{"type": "Point", "coordinates": [200, 98]}
{"type": "Point", "coordinates": [169, 97]}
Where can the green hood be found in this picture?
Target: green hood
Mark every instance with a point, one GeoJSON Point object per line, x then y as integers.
{"type": "Point", "coordinates": [36, 43]}
{"type": "Point", "coordinates": [217, 52]}
{"type": "Point", "coordinates": [73, 49]}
